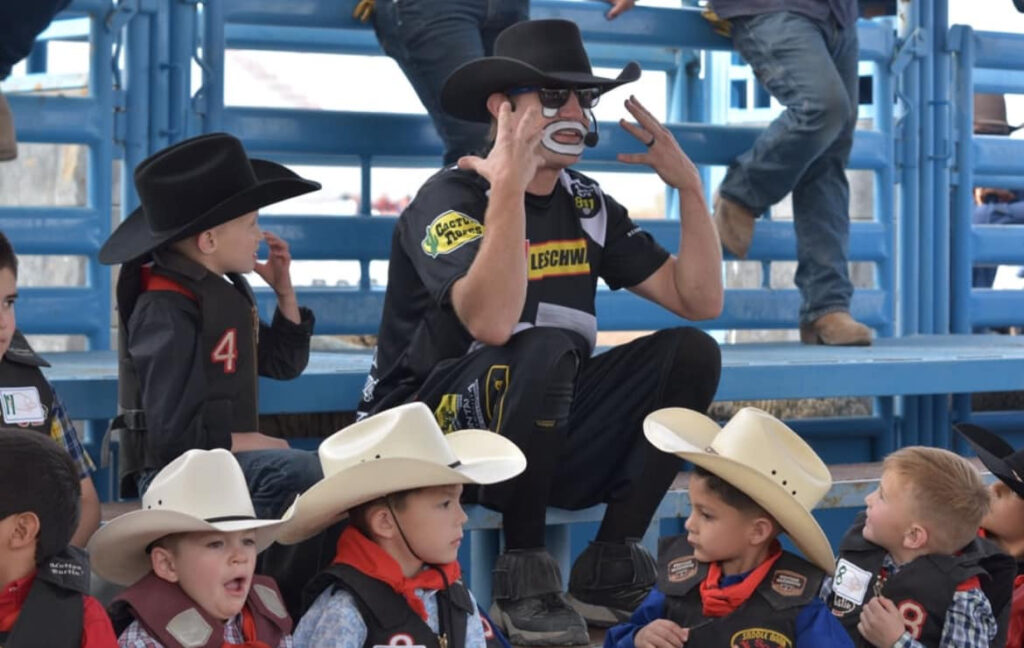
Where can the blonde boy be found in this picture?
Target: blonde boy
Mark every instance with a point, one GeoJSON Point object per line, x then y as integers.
{"type": "Point", "coordinates": [728, 582]}
{"type": "Point", "coordinates": [395, 579]}
{"type": "Point", "coordinates": [189, 559]}
{"type": "Point", "coordinates": [911, 571]}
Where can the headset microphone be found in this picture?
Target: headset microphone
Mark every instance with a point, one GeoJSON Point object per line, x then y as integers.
{"type": "Point", "coordinates": [590, 139]}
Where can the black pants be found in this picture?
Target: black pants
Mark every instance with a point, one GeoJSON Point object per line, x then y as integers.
{"type": "Point", "coordinates": [583, 440]}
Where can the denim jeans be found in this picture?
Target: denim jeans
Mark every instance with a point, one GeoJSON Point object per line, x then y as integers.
{"type": "Point", "coordinates": [430, 38]}
{"type": "Point", "coordinates": [20, 22]}
{"type": "Point", "coordinates": [811, 68]}
{"type": "Point", "coordinates": [274, 477]}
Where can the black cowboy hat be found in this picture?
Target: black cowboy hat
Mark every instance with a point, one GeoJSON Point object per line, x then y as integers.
{"type": "Point", "coordinates": [544, 53]}
{"type": "Point", "coordinates": [998, 456]}
{"type": "Point", "coordinates": [194, 185]}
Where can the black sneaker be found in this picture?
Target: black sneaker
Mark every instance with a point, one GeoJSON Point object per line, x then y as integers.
{"type": "Point", "coordinates": [529, 604]}
{"type": "Point", "coordinates": [609, 580]}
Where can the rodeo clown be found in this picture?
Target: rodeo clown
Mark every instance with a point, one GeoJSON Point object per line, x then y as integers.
{"type": "Point", "coordinates": [489, 319]}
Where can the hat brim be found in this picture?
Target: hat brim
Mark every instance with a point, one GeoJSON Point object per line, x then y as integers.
{"type": "Point", "coordinates": [992, 451]}
{"type": "Point", "coordinates": [465, 92]}
{"type": "Point", "coordinates": [689, 435]}
{"type": "Point", "coordinates": [484, 458]}
{"type": "Point", "coordinates": [274, 183]}
{"type": "Point", "coordinates": [118, 548]}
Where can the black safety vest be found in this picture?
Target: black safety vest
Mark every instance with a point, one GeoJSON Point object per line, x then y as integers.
{"type": "Point", "coordinates": [388, 617]}
{"type": "Point", "coordinates": [20, 369]}
{"type": "Point", "coordinates": [923, 588]}
{"type": "Point", "coordinates": [766, 620]}
{"type": "Point", "coordinates": [52, 615]}
{"type": "Point", "coordinates": [229, 325]}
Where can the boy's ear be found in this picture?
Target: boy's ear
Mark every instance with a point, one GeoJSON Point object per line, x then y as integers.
{"type": "Point", "coordinates": [916, 537]}
{"type": "Point", "coordinates": [206, 241]}
{"type": "Point", "coordinates": [24, 531]}
{"type": "Point", "coordinates": [762, 529]}
{"type": "Point", "coordinates": [381, 523]}
{"type": "Point", "coordinates": [162, 560]}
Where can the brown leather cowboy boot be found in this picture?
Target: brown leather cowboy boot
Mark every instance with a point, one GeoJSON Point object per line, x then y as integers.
{"type": "Point", "coordinates": [735, 225]}
{"type": "Point", "coordinates": [837, 329]}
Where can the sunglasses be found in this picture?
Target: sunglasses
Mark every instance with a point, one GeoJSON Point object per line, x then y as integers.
{"type": "Point", "coordinates": [555, 98]}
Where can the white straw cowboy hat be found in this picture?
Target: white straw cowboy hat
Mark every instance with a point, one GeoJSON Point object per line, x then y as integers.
{"type": "Point", "coordinates": [759, 455]}
{"type": "Point", "coordinates": [398, 449]}
{"type": "Point", "coordinates": [202, 490]}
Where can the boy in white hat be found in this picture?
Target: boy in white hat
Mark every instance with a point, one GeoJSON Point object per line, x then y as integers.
{"type": "Point", "coordinates": [395, 578]}
{"type": "Point", "coordinates": [189, 557]}
{"type": "Point", "coordinates": [43, 581]}
{"type": "Point", "coordinates": [912, 571]}
{"type": "Point", "coordinates": [728, 582]}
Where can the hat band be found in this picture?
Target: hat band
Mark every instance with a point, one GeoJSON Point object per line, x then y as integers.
{"type": "Point", "coordinates": [455, 464]}
{"type": "Point", "coordinates": [230, 518]}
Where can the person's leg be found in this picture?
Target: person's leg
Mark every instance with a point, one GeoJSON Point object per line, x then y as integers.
{"type": "Point", "coordinates": [522, 390]}
{"type": "Point", "coordinates": [821, 211]}
{"type": "Point", "coordinates": [20, 23]}
{"type": "Point", "coordinates": [607, 453]}
{"type": "Point", "coordinates": [429, 39]}
{"type": "Point", "coordinates": [789, 54]}
{"type": "Point", "coordinates": [276, 477]}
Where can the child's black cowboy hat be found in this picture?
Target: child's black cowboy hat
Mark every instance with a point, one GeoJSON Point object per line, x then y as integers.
{"type": "Point", "coordinates": [997, 455]}
{"type": "Point", "coordinates": [542, 53]}
{"type": "Point", "coordinates": [194, 185]}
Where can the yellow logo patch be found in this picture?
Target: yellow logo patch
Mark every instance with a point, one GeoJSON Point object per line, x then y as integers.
{"type": "Point", "coordinates": [450, 231]}
{"type": "Point", "coordinates": [559, 259]}
{"type": "Point", "coordinates": [760, 638]}
{"type": "Point", "coordinates": [446, 411]}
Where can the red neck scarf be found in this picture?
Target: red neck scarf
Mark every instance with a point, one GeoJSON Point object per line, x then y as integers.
{"type": "Point", "coordinates": [12, 597]}
{"type": "Point", "coordinates": [722, 601]}
{"type": "Point", "coordinates": [359, 552]}
{"type": "Point", "coordinates": [248, 633]}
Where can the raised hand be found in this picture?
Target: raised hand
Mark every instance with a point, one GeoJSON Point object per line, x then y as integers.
{"type": "Point", "coordinates": [277, 269]}
{"type": "Point", "coordinates": [663, 152]}
{"type": "Point", "coordinates": [516, 153]}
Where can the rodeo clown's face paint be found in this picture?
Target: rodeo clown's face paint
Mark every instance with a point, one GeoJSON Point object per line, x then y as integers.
{"type": "Point", "coordinates": [570, 134]}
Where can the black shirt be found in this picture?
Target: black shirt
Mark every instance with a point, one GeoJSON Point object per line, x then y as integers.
{"type": "Point", "coordinates": [574, 236]}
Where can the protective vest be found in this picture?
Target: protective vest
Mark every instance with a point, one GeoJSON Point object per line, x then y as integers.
{"type": "Point", "coordinates": [922, 589]}
{"type": "Point", "coordinates": [56, 595]}
{"type": "Point", "coordinates": [172, 618]}
{"type": "Point", "coordinates": [766, 620]}
{"type": "Point", "coordinates": [26, 399]}
{"type": "Point", "coordinates": [389, 619]}
{"type": "Point", "coordinates": [229, 326]}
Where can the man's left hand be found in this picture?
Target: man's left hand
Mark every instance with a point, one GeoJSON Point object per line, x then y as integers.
{"type": "Point", "coordinates": [881, 624]}
{"type": "Point", "coordinates": [663, 152]}
{"type": "Point", "coordinates": [276, 271]}
{"type": "Point", "coordinates": [619, 7]}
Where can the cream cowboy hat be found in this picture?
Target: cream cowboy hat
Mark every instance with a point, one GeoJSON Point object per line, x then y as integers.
{"type": "Point", "coordinates": [395, 450]}
{"type": "Point", "coordinates": [202, 490]}
{"type": "Point", "coordinates": [760, 456]}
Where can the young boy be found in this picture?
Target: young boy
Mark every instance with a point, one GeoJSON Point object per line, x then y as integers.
{"type": "Point", "coordinates": [911, 570]}
{"type": "Point", "coordinates": [395, 578]}
{"type": "Point", "coordinates": [189, 557]}
{"type": "Point", "coordinates": [728, 582]}
{"type": "Point", "coordinates": [1004, 522]}
{"type": "Point", "coordinates": [43, 581]}
{"type": "Point", "coordinates": [27, 399]}
{"type": "Point", "coordinates": [191, 342]}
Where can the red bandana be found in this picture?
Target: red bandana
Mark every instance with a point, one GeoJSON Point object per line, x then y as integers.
{"type": "Point", "coordinates": [722, 601]}
{"type": "Point", "coordinates": [359, 552]}
{"type": "Point", "coordinates": [12, 597]}
{"type": "Point", "coordinates": [248, 633]}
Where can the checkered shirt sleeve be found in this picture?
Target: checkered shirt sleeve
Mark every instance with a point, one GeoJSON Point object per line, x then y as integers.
{"type": "Point", "coordinates": [62, 430]}
{"type": "Point", "coordinates": [135, 636]}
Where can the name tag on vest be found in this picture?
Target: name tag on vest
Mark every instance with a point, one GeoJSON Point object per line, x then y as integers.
{"type": "Point", "coordinates": [21, 405]}
{"type": "Point", "coordinates": [851, 582]}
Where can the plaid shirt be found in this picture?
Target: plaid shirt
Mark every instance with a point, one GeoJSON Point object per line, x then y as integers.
{"type": "Point", "coordinates": [135, 636]}
{"type": "Point", "coordinates": [63, 432]}
{"type": "Point", "coordinates": [969, 620]}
